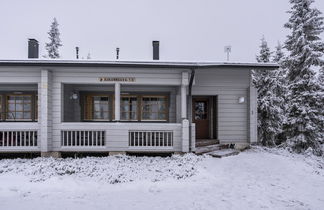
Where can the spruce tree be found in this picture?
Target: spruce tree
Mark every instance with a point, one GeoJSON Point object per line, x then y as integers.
{"type": "Point", "coordinates": [54, 43]}
{"type": "Point", "coordinates": [280, 88]}
{"type": "Point", "coordinates": [305, 103]}
{"type": "Point", "coordinates": [269, 110]}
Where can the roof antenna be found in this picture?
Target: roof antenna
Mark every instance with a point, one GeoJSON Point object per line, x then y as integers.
{"type": "Point", "coordinates": [117, 53]}
{"type": "Point", "coordinates": [77, 52]}
{"type": "Point", "coordinates": [228, 50]}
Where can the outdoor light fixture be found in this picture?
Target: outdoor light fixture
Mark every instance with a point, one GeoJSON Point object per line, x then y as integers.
{"type": "Point", "coordinates": [74, 96]}
{"type": "Point", "coordinates": [241, 100]}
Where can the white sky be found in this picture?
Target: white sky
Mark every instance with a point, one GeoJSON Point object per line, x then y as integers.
{"type": "Point", "coordinates": [192, 30]}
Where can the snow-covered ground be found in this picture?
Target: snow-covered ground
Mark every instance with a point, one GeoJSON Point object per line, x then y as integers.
{"type": "Point", "coordinates": [254, 179]}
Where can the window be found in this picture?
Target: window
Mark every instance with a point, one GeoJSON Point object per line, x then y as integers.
{"type": "Point", "coordinates": [128, 108]}
{"type": "Point", "coordinates": [97, 107]}
{"type": "Point", "coordinates": [154, 108]}
{"type": "Point", "coordinates": [132, 107]}
{"type": "Point", "coordinates": [19, 107]}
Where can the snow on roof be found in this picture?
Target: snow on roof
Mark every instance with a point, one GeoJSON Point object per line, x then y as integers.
{"type": "Point", "coordinates": [126, 63]}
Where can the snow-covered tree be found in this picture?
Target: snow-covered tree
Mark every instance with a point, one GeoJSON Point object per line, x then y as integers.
{"type": "Point", "coordinates": [54, 43]}
{"type": "Point", "coordinates": [305, 102]}
{"type": "Point", "coordinates": [280, 87]}
{"type": "Point", "coordinates": [269, 102]}
{"type": "Point", "coordinates": [89, 56]}
{"type": "Point", "coordinates": [265, 53]}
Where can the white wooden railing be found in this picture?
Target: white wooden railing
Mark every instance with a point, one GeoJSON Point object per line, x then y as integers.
{"type": "Point", "coordinates": [140, 138]}
{"type": "Point", "coordinates": [16, 138]}
{"type": "Point", "coordinates": [84, 138]}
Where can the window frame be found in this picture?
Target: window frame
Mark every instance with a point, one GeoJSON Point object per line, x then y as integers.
{"type": "Point", "coordinates": [5, 106]}
{"type": "Point", "coordinates": [167, 105]}
{"type": "Point", "coordinates": [86, 108]}
{"type": "Point", "coordinates": [137, 108]}
{"type": "Point", "coordinates": [139, 111]}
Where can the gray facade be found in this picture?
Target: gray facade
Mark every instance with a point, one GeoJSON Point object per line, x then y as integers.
{"type": "Point", "coordinates": [61, 127]}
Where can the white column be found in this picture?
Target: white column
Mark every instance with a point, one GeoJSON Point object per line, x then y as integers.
{"type": "Point", "coordinates": [45, 117]}
{"type": "Point", "coordinates": [183, 102]}
{"type": "Point", "coordinates": [117, 101]}
{"type": "Point", "coordinates": [253, 95]}
{"type": "Point", "coordinates": [185, 136]}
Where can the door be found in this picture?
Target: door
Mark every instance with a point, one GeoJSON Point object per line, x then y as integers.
{"type": "Point", "coordinates": [201, 117]}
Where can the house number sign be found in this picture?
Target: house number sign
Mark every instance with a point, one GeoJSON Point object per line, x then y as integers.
{"type": "Point", "coordinates": [117, 79]}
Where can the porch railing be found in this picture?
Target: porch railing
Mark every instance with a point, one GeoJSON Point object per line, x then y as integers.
{"type": "Point", "coordinates": [84, 138]}
{"type": "Point", "coordinates": [18, 138]}
{"type": "Point", "coordinates": [148, 138]}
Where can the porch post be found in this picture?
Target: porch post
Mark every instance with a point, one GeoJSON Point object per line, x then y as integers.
{"type": "Point", "coordinates": [183, 102]}
{"type": "Point", "coordinates": [117, 101]}
{"type": "Point", "coordinates": [45, 118]}
{"type": "Point", "coordinates": [185, 123]}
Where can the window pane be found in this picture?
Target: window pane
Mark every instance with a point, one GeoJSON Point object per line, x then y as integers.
{"type": "Point", "coordinates": [27, 99]}
{"type": "Point", "coordinates": [19, 115]}
{"type": "Point", "coordinates": [154, 108]}
{"type": "Point", "coordinates": [27, 107]}
{"type": "Point", "coordinates": [19, 99]}
{"type": "Point", "coordinates": [19, 107]}
{"type": "Point", "coordinates": [27, 115]}
{"type": "Point", "coordinates": [101, 107]}
{"type": "Point", "coordinates": [128, 108]}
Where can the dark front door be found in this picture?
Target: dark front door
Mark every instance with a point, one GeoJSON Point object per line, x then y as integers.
{"type": "Point", "coordinates": [201, 117]}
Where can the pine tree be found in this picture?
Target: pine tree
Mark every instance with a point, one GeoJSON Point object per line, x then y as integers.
{"type": "Point", "coordinates": [265, 54]}
{"type": "Point", "coordinates": [280, 88]}
{"type": "Point", "coordinates": [89, 56]}
{"type": "Point", "coordinates": [54, 43]}
{"type": "Point", "coordinates": [269, 110]}
{"type": "Point", "coordinates": [304, 100]}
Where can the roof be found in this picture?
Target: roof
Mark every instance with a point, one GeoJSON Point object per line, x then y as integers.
{"type": "Point", "coordinates": [123, 63]}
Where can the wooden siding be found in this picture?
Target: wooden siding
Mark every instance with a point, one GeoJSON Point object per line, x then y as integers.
{"type": "Point", "coordinates": [228, 85]}
{"type": "Point", "coordinates": [116, 136]}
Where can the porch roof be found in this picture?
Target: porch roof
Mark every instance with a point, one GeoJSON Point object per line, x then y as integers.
{"type": "Point", "coordinates": [139, 64]}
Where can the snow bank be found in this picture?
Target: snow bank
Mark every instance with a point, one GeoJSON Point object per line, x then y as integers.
{"type": "Point", "coordinates": [255, 179]}
{"type": "Point", "coordinates": [112, 169]}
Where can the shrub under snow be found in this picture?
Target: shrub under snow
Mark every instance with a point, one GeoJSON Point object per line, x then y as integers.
{"type": "Point", "coordinates": [112, 169]}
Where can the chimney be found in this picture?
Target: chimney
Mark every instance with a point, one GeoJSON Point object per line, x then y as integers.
{"type": "Point", "coordinates": [117, 53]}
{"type": "Point", "coordinates": [156, 50]}
{"type": "Point", "coordinates": [77, 52]}
{"type": "Point", "coordinates": [32, 48]}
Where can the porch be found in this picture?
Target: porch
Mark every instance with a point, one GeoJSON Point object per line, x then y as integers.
{"type": "Point", "coordinates": [86, 119]}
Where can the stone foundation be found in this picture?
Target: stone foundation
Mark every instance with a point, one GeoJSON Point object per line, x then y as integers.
{"type": "Point", "coordinates": [117, 153]}
{"type": "Point", "coordinates": [51, 154]}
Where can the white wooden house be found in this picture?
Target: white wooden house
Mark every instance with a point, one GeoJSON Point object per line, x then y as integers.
{"type": "Point", "coordinates": [54, 106]}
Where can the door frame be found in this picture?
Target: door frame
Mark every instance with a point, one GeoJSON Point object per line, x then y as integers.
{"type": "Point", "coordinates": [212, 114]}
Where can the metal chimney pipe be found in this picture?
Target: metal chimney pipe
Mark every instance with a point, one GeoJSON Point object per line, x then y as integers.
{"type": "Point", "coordinates": [156, 50]}
{"type": "Point", "coordinates": [77, 52]}
{"type": "Point", "coordinates": [117, 53]}
{"type": "Point", "coordinates": [32, 48]}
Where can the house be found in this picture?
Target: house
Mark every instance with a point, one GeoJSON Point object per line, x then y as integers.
{"type": "Point", "coordinates": [55, 106]}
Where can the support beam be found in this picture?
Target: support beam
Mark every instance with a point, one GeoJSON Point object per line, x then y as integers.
{"type": "Point", "coordinates": [117, 101]}
{"type": "Point", "coordinates": [252, 135]}
{"type": "Point", "coordinates": [183, 102]}
{"type": "Point", "coordinates": [185, 136]}
{"type": "Point", "coordinates": [45, 116]}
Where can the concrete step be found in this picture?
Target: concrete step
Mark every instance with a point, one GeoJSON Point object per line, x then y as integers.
{"type": "Point", "coordinates": [223, 153]}
{"type": "Point", "coordinates": [206, 149]}
{"type": "Point", "coordinates": [207, 142]}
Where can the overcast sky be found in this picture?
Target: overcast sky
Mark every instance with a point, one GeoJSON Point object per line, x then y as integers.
{"type": "Point", "coordinates": [191, 30]}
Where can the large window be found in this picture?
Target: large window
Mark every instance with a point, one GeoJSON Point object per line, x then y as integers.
{"type": "Point", "coordinates": [19, 107]}
{"type": "Point", "coordinates": [154, 108]}
{"type": "Point", "coordinates": [132, 107]}
{"type": "Point", "coordinates": [97, 108]}
{"type": "Point", "coordinates": [129, 108]}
